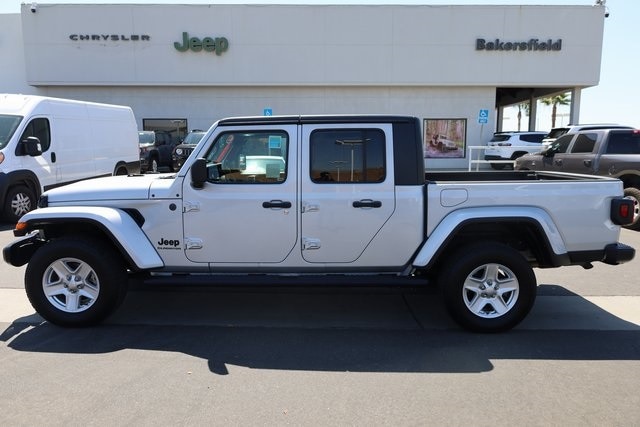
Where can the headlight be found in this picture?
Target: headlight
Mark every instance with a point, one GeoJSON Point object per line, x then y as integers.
{"type": "Point", "coordinates": [179, 151]}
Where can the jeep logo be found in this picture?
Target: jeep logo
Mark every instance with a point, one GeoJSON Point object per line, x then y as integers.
{"type": "Point", "coordinates": [208, 44]}
{"type": "Point", "coordinates": [172, 243]}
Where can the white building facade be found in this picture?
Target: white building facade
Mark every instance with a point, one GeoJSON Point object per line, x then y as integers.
{"type": "Point", "coordinates": [182, 67]}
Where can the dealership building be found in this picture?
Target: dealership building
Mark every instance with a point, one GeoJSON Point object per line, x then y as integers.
{"type": "Point", "coordinates": [181, 67]}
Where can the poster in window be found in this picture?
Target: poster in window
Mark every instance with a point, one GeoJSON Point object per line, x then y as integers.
{"type": "Point", "coordinates": [445, 138]}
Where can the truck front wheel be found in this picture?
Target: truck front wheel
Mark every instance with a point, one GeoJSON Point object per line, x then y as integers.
{"type": "Point", "coordinates": [75, 281]}
{"type": "Point", "coordinates": [18, 201]}
{"type": "Point", "coordinates": [488, 287]}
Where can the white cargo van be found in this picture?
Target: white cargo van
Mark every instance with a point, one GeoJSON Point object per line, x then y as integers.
{"type": "Point", "coordinates": [48, 142]}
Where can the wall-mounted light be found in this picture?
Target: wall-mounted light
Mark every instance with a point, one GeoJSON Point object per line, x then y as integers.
{"type": "Point", "coordinates": [34, 7]}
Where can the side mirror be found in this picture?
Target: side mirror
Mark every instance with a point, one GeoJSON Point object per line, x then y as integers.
{"type": "Point", "coordinates": [31, 146]}
{"type": "Point", "coordinates": [199, 173]}
{"type": "Point", "coordinates": [548, 151]}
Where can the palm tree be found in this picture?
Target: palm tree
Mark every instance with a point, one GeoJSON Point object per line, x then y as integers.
{"type": "Point", "coordinates": [522, 106]}
{"type": "Point", "coordinates": [561, 99]}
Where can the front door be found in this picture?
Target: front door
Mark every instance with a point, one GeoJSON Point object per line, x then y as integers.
{"type": "Point", "coordinates": [247, 211]}
{"type": "Point", "coordinates": [44, 166]}
{"type": "Point", "coordinates": [347, 189]}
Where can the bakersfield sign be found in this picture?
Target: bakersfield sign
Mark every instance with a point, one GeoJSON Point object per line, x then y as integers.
{"type": "Point", "coordinates": [530, 45]}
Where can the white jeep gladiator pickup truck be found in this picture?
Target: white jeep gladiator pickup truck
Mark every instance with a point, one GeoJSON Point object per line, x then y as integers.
{"type": "Point", "coordinates": [333, 196]}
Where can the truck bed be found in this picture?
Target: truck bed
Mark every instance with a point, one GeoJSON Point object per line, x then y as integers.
{"type": "Point", "coordinates": [466, 176]}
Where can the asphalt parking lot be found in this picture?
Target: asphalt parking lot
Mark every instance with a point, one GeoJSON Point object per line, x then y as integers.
{"type": "Point", "coordinates": [323, 355]}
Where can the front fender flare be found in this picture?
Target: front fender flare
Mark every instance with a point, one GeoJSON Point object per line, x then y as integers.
{"type": "Point", "coordinates": [447, 227]}
{"type": "Point", "coordinates": [115, 223]}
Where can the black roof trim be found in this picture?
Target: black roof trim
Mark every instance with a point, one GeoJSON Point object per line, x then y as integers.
{"type": "Point", "coordinates": [317, 119]}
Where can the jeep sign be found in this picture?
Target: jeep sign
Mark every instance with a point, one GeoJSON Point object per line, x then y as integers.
{"type": "Point", "coordinates": [208, 44]}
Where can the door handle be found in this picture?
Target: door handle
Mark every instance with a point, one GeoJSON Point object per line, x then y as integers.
{"type": "Point", "coordinates": [587, 163]}
{"type": "Point", "coordinates": [367, 203]}
{"type": "Point", "coordinates": [558, 162]}
{"type": "Point", "coordinates": [276, 204]}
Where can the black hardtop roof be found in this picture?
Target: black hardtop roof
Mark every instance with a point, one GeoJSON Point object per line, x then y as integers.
{"type": "Point", "coordinates": [607, 130]}
{"type": "Point", "coordinates": [317, 119]}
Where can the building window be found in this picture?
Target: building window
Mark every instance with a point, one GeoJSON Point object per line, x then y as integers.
{"type": "Point", "coordinates": [177, 128]}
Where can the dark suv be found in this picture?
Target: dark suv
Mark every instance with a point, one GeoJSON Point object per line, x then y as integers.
{"type": "Point", "coordinates": [155, 150]}
{"type": "Point", "coordinates": [182, 151]}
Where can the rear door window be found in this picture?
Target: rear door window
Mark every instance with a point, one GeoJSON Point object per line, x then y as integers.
{"type": "Point", "coordinates": [532, 137]}
{"type": "Point", "coordinates": [584, 143]}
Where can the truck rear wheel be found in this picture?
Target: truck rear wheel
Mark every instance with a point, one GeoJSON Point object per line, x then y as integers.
{"type": "Point", "coordinates": [488, 287]}
{"type": "Point", "coordinates": [634, 194]}
{"type": "Point", "coordinates": [75, 281]}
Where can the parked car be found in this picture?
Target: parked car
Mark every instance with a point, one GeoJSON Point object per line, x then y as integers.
{"type": "Point", "coordinates": [155, 150]}
{"type": "Point", "coordinates": [511, 145]}
{"type": "Point", "coordinates": [556, 133]}
{"type": "Point", "coordinates": [605, 152]}
{"type": "Point", "coordinates": [183, 151]}
{"type": "Point", "coordinates": [48, 142]}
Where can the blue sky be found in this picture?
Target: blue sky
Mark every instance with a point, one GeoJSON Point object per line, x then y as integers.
{"type": "Point", "coordinates": [615, 100]}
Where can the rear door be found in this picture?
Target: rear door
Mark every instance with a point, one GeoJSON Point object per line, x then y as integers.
{"type": "Point", "coordinates": [347, 189]}
{"type": "Point", "coordinates": [621, 153]}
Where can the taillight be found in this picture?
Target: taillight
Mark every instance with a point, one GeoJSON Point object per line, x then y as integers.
{"type": "Point", "coordinates": [622, 210]}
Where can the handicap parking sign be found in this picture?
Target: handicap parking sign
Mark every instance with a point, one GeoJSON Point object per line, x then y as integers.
{"type": "Point", "coordinates": [483, 116]}
{"type": "Point", "coordinates": [267, 112]}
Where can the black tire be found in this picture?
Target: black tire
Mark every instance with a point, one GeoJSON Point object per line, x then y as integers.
{"type": "Point", "coordinates": [634, 194]}
{"type": "Point", "coordinates": [94, 285]}
{"type": "Point", "coordinates": [487, 287]}
{"type": "Point", "coordinates": [19, 200]}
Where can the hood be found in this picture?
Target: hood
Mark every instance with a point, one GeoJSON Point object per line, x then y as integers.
{"type": "Point", "coordinates": [133, 187]}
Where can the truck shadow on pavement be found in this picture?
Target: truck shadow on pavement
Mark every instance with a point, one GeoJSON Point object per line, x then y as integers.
{"type": "Point", "coordinates": [357, 330]}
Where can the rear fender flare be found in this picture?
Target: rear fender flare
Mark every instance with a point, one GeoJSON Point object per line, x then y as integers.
{"type": "Point", "coordinates": [446, 229]}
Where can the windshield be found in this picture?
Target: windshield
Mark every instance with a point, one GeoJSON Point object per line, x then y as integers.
{"type": "Point", "coordinates": [557, 132]}
{"type": "Point", "coordinates": [8, 125]}
{"type": "Point", "coordinates": [193, 138]}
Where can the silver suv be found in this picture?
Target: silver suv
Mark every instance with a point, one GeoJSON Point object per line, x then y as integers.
{"type": "Point", "coordinates": [556, 133]}
{"type": "Point", "coordinates": [511, 145]}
